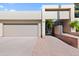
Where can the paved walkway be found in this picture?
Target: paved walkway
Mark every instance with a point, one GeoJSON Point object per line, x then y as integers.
{"type": "Point", "coordinates": [51, 46]}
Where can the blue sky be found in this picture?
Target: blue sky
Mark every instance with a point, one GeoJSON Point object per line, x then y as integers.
{"type": "Point", "coordinates": [24, 6]}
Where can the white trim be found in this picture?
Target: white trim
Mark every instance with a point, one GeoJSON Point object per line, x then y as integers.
{"type": "Point", "coordinates": [1, 29]}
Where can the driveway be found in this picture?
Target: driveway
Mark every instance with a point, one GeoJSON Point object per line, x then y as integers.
{"type": "Point", "coordinates": [28, 46]}
{"type": "Point", "coordinates": [17, 46]}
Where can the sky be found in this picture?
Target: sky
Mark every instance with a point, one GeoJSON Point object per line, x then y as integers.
{"type": "Point", "coordinates": [24, 6]}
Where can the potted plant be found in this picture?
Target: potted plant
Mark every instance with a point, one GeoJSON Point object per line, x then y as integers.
{"type": "Point", "coordinates": [75, 24]}
{"type": "Point", "coordinates": [49, 24]}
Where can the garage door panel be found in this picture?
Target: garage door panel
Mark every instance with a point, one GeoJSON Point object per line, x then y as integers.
{"type": "Point", "coordinates": [20, 30]}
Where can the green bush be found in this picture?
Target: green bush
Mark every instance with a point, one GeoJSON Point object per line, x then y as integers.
{"type": "Point", "coordinates": [75, 24]}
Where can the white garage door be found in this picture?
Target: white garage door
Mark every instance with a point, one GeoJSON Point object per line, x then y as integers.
{"type": "Point", "coordinates": [20, 30]}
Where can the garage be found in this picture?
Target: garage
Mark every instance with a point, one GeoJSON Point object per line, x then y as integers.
{"type": "Point", "coordinates": [20, 30]}
{"type": "Point", "coordinates": [20, 24]}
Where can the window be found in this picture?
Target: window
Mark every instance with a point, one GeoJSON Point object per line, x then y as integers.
{"type": "Point", "coordinates": [76, 10]}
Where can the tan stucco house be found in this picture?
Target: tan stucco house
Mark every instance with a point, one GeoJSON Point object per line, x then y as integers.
{"type": "Point", "coordinates": [32, 23]}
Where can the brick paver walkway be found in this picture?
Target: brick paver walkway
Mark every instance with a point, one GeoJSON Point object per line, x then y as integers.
{"type": "Point", "coordinates": [51, 46]}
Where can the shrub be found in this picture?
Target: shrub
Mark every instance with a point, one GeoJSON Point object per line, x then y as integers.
{"type": "Point", "coordinates": [75, 24]}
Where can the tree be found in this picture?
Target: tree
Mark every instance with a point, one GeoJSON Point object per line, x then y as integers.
{"type": "Point", "coordinates": [49, 26]}
{"type": "Point", "coordinates": [49, 23]}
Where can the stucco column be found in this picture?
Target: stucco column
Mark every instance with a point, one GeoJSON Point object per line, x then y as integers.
{"type": "Point", "coordinates": [43, 29]}
{"type": "Point", "coordinates": [72, 17]}
{"type": "Point", "coordinates": [39, 30]}
{"type": "Point", "coordinates": [73, 29]}
{"type": "Point", "coordinates": [43, 22]}
{"type": "Point", "coordinates": [58, 29]}
{"type": "Point", "coordinates": [1, 29]}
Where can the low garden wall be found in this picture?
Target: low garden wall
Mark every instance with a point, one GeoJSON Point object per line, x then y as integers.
{"type": "Point", "coordinates": [69, 40]}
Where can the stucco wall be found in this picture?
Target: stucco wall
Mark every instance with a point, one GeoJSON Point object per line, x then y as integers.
{"type": "Point", "coordinates": [72, 13]}
{"type": "Point", "coordinates": [51, 15]}
{"type": "Point", "coordinates": [72, 10]}
{"type": "Point", "coordinates": [64, 15]}
{"type": "Point", "coordinates": [19, 15]}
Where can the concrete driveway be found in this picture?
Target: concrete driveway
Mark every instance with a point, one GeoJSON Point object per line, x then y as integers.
{"type": "Point", "coordinates": [28, 46]}
{"type": "Point", "coordinates": [17, 46]}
